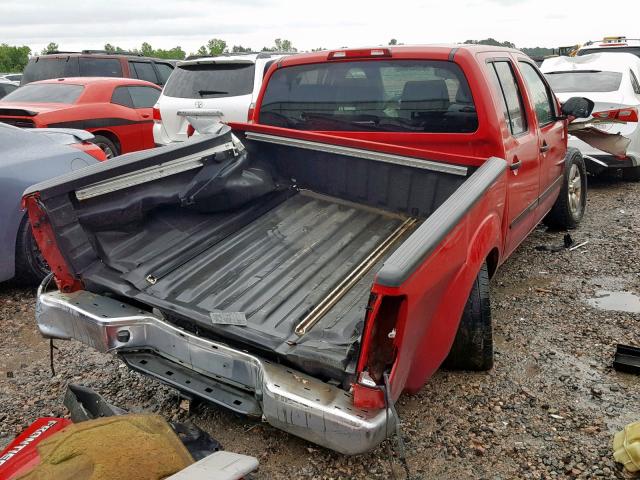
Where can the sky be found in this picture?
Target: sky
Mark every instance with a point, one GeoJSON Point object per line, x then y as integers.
{"type": "Point", "coordinates": [89, 24]}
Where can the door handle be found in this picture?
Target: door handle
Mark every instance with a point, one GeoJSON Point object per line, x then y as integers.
{"type": "Point", "coordinates": [145, 115]}
{"type": "Point", "coordinates": [544, 148]}
{"type": "Point", "coordinates": [515, 165]}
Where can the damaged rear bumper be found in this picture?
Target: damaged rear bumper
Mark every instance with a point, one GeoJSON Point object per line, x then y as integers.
{"type": "Point", "coordinates": [287, 399]}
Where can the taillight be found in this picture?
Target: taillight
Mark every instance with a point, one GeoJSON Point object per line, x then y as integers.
{"type": "Point", "coordinates": [46, 240]}
{"type": "Point", "coordinates": [157, 116]}
{"type": "Point", "coordinates": [628, 114]}
{"type": "Point", "coordinates": [91, 149]}
{"type": "Point", "coordinates": [251, 112]}
{"type": "Point", "coordinates": [190, 130]}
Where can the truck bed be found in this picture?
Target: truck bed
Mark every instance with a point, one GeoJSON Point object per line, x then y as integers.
{"type": "Point", "coordinates": [271, 272]}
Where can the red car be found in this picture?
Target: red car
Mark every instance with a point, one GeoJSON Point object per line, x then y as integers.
{"type": "Point", "coordinates": [118, 111]}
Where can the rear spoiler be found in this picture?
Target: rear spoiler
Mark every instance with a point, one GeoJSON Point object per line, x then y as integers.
{"type": "Point", "coordinates": [17, 112]}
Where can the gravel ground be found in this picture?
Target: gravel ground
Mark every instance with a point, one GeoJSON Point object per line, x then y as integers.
{"type": "Point", "coordinates": [548, 409]}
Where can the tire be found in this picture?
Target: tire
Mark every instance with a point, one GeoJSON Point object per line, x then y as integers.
{"type": "Point", "coordinates": [109, 148]}
{"type": "Point", "coordinates": [31, 267]}
{"type": "Point", "coordinates": [631, 174]}
{"type": "Point", "coordinates": [473, 346]}
{"type": "Point", "coordinates": [571, 204]}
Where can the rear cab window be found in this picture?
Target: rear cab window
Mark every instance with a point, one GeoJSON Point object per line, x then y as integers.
{"type": "Point", "coordinates": [422, 96]}
{"type": "Point", "coordinates": [211, 80]}
{"type": "Point", "coordinates": [46, 93]}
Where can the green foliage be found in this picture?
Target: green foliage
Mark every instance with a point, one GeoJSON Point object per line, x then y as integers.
{"type": "Point", "coordinates": [52, 47]}
{"type": "Point", "coordinates": [240, 49]}
{"type": "Point", "coordinates": [393, 41]}
{"type": "Point", "coordinates": [491, 41]}
{"type": "Point", "coordinates": [175, 53]}
{"type": "Point", "coordinates": [13, 58]}
{"type": "Point", "coordinates": [281, 45]}
{"type": "Point", "coordinates": [538, 52]}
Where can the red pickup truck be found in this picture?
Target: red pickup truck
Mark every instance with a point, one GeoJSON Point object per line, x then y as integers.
{"type": "Point", "coordinates": [311, 266]}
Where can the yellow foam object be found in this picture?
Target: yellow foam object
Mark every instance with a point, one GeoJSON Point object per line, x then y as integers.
{"type": "Point", "coordinates": [127, 447]}
{"type": "Point", "coordinates": [626, 447]}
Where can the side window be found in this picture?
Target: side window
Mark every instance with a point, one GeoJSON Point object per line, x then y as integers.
{"type": "Point", "coordinates": [506, 85]}
{"type": "Point", "coordinates": [144, 97]}
{"type": "Point", "coordinates": [144, 71]}
{"type": "Point", "coordinates": [122, 97]}
{"type": "Point", "coordinates": [100, 67]}
{"type": "Point", "coordinates": [634, 82]}
{"type": "Point", "coordinates": [266, 67]}
{"type": "Point", "coordinates": [541, 96]}
{"type": "Point", "coordinates": [164, 70]}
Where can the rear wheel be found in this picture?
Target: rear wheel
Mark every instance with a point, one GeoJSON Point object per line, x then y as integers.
{"type": "Point", "coordinates": [31, 267]}
{"type": "Point", "coordinates": [107, 146]}
{"type": "Point", "coordinates": [473, 346]}
{"type": "Point", "coordinates": [631, 174]}
{"type": "Point", "coordinates": [571, 204]}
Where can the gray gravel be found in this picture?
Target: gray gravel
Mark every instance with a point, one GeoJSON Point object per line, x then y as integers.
{"type": "Point", "coordinates": [548, 409]}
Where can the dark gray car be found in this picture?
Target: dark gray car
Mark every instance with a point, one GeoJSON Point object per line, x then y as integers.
{"type": "Point", "coordinates": [28, 157]}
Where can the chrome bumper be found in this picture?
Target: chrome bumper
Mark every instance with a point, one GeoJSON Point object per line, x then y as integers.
{"type": "Point", "coordinates": [289, 400]}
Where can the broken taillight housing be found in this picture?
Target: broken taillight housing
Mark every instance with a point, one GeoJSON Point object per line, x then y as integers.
{"type": "Point", "coordinates": [190, 130]}
{"type": "Point", "coordinates": [627, 114]}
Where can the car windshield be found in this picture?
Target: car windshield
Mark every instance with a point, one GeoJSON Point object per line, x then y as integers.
{"type": "Point", "coordinates": [589, 51]}
{"type": "Point", "coordinates": [210, 80]}
{"type": "Point", "coordinates": [45, 93]}
{"type": "Point", "coordinates": [584, 81]}
{"type": "Point", "coordinates": [381, 95]}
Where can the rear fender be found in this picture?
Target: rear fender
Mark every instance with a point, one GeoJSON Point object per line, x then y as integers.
{"type": "Point", "coordinates": [440, 333]}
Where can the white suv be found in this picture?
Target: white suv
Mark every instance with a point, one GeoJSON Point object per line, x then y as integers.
{"type": "Point", "coordinates": [205, 91]}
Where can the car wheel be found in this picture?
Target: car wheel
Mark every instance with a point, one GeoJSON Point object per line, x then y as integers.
{"type": "Point", "coordinates": [31, 267]}
{"type": "Point", "coordinates": [473, 346]}
{"type": "Point", "coordinates": [631, 174]}
{"type": "Point", "coordinates": [107, 146]}
{"type": "Point", "coordinates": [571, 204]}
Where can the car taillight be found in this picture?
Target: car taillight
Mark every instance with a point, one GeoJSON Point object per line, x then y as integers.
{"type": "Point", "coordinates": [157, 116]}
{"type": "Point", "coordinates": [47, 243]}
{"type": "Point", "coordinates": [190, 130]}
{"type": "Point", "coordinates": [628, 114]}
{"type": "Point", "coordinates": [251, 112]}
{"type": "Point", "coordinates": [91, 149]}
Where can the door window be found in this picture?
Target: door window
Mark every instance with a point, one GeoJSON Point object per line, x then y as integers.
{"type": "Point", "coordinates": [144, 71]}
{"type": "Point", "coordinates": [122, 97]}
{"type": "Point", "coordinates": [100, 67]}
{"type": "Point", "coordinates": [541, 95]}
{"type": "Point", "coordinates": [505, 83]}
{"type": "Point", "coordinates": [164, 70]}
{"type": "Point", "coordinates": [144, 97]}
{"type": "Point", "coordinates": [634, 82]}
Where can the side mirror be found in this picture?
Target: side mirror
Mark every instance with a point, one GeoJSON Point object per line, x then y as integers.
{"type": "Point", "coordinates": [578, 107]}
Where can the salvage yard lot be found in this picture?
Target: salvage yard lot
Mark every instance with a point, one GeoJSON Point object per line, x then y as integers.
{"type": "Point", "coordinates": [548, 409]}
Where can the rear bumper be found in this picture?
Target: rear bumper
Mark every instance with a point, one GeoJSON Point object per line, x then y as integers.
{"type": "Point", "coordinates": [287, 399]}
{"type": "Point", "coordinates": [598, 163]}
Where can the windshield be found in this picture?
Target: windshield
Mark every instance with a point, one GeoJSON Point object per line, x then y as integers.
{"type": "Point", "coordinates": [588, 51]}
{"type": "Point", "coordinates": [584, 81]}
{"type": "Point", "coordinates": [45, 93]}
{"type": "Point", "coordinates": [381, 95]}
{"type": "Point", "coordinates": [211, 80]}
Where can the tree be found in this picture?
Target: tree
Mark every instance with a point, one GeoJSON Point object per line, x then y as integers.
{"type": "Point", "coordinates": [147, 50]}
{"type": "Point", "coordinates": [393, 41]}
{"type": "Point", "coordinates": [52, 47]}
{"type": "Point", "coordinates": [216, 46]}
{"type": "Point", "coordinates": [13, 58]}
{"type": "Point", "coordinates": [490, 41]}
{"type": "Point", "coordinates": [240, 49]}
{"type": "Point", "coordinates": [281, 45]}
